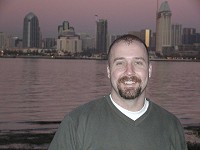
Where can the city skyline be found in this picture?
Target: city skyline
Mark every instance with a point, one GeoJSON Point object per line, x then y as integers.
{"type": "Point", "coordinates": [122, 16]}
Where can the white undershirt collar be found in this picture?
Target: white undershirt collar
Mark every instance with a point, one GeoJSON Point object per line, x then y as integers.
{"type": "Point", "coordinates": [133, 115]}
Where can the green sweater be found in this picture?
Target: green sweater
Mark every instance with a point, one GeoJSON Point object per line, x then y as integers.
{"type": "Point", "coordinates": [99, 125]}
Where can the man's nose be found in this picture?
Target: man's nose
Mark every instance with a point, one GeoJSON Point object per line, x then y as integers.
{"type": "Point", "coordinates": [130, 70]}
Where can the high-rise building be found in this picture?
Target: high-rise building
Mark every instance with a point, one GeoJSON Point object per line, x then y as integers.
{"type": "Point", "coordinates": [88, 42]}
{"type": "Point", "coordinates": [153, 42]}
{"type": "Point", "coordinates": [65, 30]}
{"type": "Point", "coordinates": [68, 41]}
{"type": "Point", "coordinates": [163, 27]}
{"type": "Point", "coordinates": [101, 36]}
{"type": "Point", "coordinates": [136, 33]}
{"type": "Point", "coordinates": [176, 34]}
{"type": "Point", "coordinates": [110, 39]}
{"type": "Point", "coordinates": [189, 35]}
{"type": "Point", "coordinates": [49, 43]}
{"type": "Point", "coordinates": [31, 32]}
{"type": "Point", "coordinates": [70, 45]}
{"type": "Point", "coordinates": [146, 36]}
{"type": "Point", "coordinates": [2, 40]}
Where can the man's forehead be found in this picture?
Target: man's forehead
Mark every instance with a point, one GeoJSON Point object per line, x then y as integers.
{"type": "Point", "coordinates": [133, 47]}
{"type": "Point", "coordinates": [133, 42]}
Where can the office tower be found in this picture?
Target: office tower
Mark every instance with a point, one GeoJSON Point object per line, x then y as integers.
{"type": "Point", "coordinates": [65, 29]}
{"type": "Point", "coordinates": [69, 45]}
{"type": "Point", "coordinates": [136, 33]}
{"type": "Point", "coordinates": [153, 42]}
{"type": "Point", "coordinates": [60, 30]}
{"type": "Point", "coordinates": [31, 32]}
{"type": "Point", "coordinates": [189, 36]}
{"type": "Point", "coordinates": [88, 42]}
{"type": "Point", "coordinates": [110, 39]}
{"type": "Point", "coordinates": [163, 27]}
{"type": "Point", "coordinates": [68, 41]}
{"type": "Point", "coordinates": [197, 38]}
{"type": "Point", "coordinates": [65, 25]}
{"type": "Point", "coordinates": [101, 36]}
{"type": "Point", "coordinates": [146, 36]}
{"type": "Point", "coordinates": [2, 40]}
{"type": "Point", "coordinates": [49, 43]}
{"type": "Point", "coordinates": [13, 42]}
{"type": "Point", "coordinates": [176, 34]}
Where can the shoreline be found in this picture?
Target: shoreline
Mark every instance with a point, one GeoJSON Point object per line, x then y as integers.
{"type": "Point", "coordinates": [95, 58]}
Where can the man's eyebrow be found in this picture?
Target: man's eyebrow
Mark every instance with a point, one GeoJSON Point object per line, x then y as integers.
{"type": "Point", "coordinates": [122, 58]}
{"type": "Point", "coordinates": [118, 58]}
{"type": "Point", "coordinates": [140, 58]}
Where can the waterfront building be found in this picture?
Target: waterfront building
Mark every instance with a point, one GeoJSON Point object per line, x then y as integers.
{"type": "Point", "coordinates": [189, 36]}
{"type": "Point", "coordinates": [197, 38]}
{"type": "Point", "coordinates": [145, 35]}
{"type": "Point", "coordinates": [101, 36]}
{"type": "Point", "coordinates": [176, 35]}
{"type": "Point", "coordinates": [163, 28]}
{"type": "Point", "coordinates": [136, 33]}
{"type": "Point", "coordinates": [49, 43]}
{"type": "Point", "coordinates": [70, 45]}
{"type": "Point", "coordinates": [65, 29]}
{"type": "Point", "coordinates": [88, 42]}
{"type": "Point", "coordinates": [60, 30]}
{"type": "Point", "coordinates": [14, 42]}
{"type": "Point", "coordinates": [110, 39]}
{"type": "Point", "coordinates": [68, 41]}
{"type": "Point", "coordinates": [31, 32]}
{"type": "Point", "coordinates": [153, 42]}
{"type": "Point", "coordinates": [2, 40]}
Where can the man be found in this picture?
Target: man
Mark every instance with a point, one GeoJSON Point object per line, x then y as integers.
{"type": "Point", "coordinates": [125, 119]}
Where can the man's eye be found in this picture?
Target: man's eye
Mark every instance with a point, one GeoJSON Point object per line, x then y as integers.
{"type": "Point", "coordinates": [119, 63]}
{"type": "Point", "coordinates": [139, 63]}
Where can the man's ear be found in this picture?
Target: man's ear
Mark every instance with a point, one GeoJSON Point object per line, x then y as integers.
{"type": "Point", "coordinates": [150, 70]}
{"type": "Point", "coordinates": [108, 71]}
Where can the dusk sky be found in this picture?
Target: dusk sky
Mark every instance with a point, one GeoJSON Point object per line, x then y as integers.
{"type": "Point", "coordinates": [122, 15]}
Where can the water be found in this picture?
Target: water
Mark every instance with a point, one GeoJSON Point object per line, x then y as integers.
{"type": "Point", "coordinates": [34, 93]}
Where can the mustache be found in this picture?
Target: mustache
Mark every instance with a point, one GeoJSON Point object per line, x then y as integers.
{"type": "Point", "coordinates": [131, 78]}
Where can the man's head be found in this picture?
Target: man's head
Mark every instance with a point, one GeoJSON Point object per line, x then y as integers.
{"type": "Point", "coordinates": [128, 67]}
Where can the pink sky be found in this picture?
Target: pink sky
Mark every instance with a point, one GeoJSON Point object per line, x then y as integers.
{"type": "Point", "coordinates": [122, 15]}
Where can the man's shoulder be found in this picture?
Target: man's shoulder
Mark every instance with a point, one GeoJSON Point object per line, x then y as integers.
{"type": "Point", "coordinates": [162, 112]}
{"type": "Point", "coordinates": [91, 107]}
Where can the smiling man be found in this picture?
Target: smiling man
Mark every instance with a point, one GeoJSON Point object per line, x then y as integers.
{"type": "Point", "coordinates": [125, 119]}
{"type": "Point", "coordinates": [129, 70]}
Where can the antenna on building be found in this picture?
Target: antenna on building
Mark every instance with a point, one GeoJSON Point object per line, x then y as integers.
{"type": "Point", "coordinates": [157, 8]}
{"type": "Point", "coordinates": [96, 17]}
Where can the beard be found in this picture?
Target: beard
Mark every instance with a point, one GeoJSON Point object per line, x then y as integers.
{"type": "Point", "coordinates": [127, 92]}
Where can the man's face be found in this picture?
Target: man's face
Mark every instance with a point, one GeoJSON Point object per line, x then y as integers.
{"type": "Point", "coordinates": [128, 70]}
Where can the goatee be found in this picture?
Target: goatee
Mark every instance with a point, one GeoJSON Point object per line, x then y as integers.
{"type": "Point", "coordinates": [127, 92]}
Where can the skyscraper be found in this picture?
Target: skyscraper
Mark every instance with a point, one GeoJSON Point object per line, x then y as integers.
{"type": "Point", "coordinates": [163, 27]}
{"type": "Point", "coordinates": [146, 36]}
{"type": "Point", "coordinates": [68, 41]}
{"type": "Point", "coordinates": [176, 34]}
{"type": "Point", "coordinates": [31, 32]}
{"type": "Point", "coordinates": [65, 30]}
{"type": "Point", "coordinates": [101, 36]}
{"type": "Point", "coordinates": [2, 40]}
{"type": "Point", "coordinates": [189, 36]}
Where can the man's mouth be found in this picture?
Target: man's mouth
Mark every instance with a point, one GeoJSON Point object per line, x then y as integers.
{"type": "Point", "coordinates": [129, 82]}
